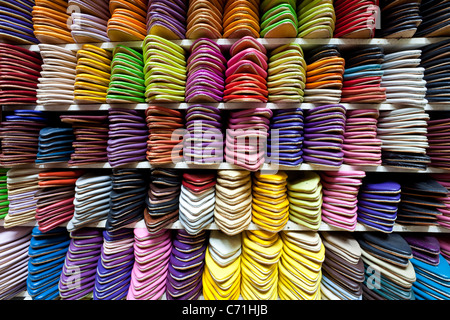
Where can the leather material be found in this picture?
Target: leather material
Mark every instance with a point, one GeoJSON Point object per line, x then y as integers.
{"type": "Point", "coordinates": [46, 288]}
{"type": "Point", "coordinates": [336, 210]}
{"type": "Point", "coordinates": [286, 74]}
{"type": "Point", "coordinates": [152, 253]}
{"type": "Point", "coordinates": [15, 242]}
{"type": "Point", "coordinates": [186, 259]}
{"type": "Point", "coordinates": [92, 200]}
{"type": "Point", "coordinates": [20, 137]}
{"type": "Point", "coordinates": [204, 142]}
{"type": "Point", "coordinates": [162, 205]}
{"type": "Point", "coordinates": [237, 142]}
{"type": "Point", "coordinates": [376, 196]}
{"type": "Point", "coordinates": [328, 154]}
{"type": "Point", "coordinates": [305, 200]}
{"type": "Point", "coordinates": [241, 64]}
{"type": "Point", "coordinates": [60, 210]}
{"type": "Point", "coordinates": [22, 184]}
{"type": "Point", "coordinates": [407, 143]}
{"type": "Point", "coordinates": [158, 74]}
{"type": "Point", "coordinates": [261, 252]}
{"type": "Point", "coordinates": [127, 200]}
{"type": "Point", "coordinates": [421, 200]}
{"type": "Point", "coordinates": [300, 251]}
{"type": "Point", "coordinates": [198, 86]}
{"type": "Point", "coordinates": [164, 146]}
{"type": "Point", "coordinates": [83, 254]}
{"type": "Point", "coordinates": [278, 150]}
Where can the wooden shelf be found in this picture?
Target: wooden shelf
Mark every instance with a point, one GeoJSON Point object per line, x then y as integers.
{"type": "Point", "coordinates": [228, 166]}
{"type": "Point", "coordinates": [272, 43]}
{"type": "Point", "coordinates": [220, 105]}
{"type": "Point", "coordinates": [290, 226]}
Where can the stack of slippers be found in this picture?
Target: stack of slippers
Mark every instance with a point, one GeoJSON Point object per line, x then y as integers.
{"type": "Point", "coordinates": [355, 19]}
{"type": "Point", "coordinates": [197, 201]}
{"type": "Point", "coordinates": [93, 74]}
{"type": "Point", "coordinates": [324, 75]}
{"type": "Point", "coordinates": [285, 145]}
{"type": "Point", "coordinates": [164, 69]}
{"type": "Point", "coordinates": [54, 199]}
{"type": "Point", "coordinates": [127, 76]}
{"type": "Point", "coordinates": [15, 243]}
{"type": "Point", "coordinates": [438, 139]}
{"type": "Point", "coordinates": [340, 198]}
{"type": "Point", "coordinates": [246, 137]}
{"type": "Point", "coordinates": [316, 19]}
{"type": "Point", "coordinates": [89, 22]}
{"type": "Point", "coordinates": [444, 180]}
{"type": "Point", "coordinates": [4, 203]}
{"type": "Point", "coordinates": [164, 144]}
{"type": "Point", "coordinates": [16, 23]}
{"type": "Point", "coordinates": [241, 19]}
{"type": "Point", "coordinates": [50, 22]}
{"type": "Point", "coordinates": [389, 272]}
{"type": "Point", "coordinates": [22, 185]}
{"type": "Point", "coordinates": [378, 204]}
{"type": "Point", "coordinates": [221, 277]}
{"type": "Point", "coordinates": [113, 276]}
{"type": "Point", "coordinates": [435, 16]}
{"type": "Point", "coordinates": [55, 145]}
{"type": "Point", "coordinates": [162, 200]}
{"type": "Point", "coordinates": [421, 201]}
{"type": "Point", "coordinates": [92, 200]}
{"type": "Point", "coordinates": [270, 206]}
{"type": "Point", "coordinates": [436, 68]}
{"type": "Point", "coordinates": [343, 268]}
{"type": "Point", "coordinates": [233, 207]}
{"type": "Point", "coordinates": [305, 199]}
{"type": "Point", "coordinates": [203, 19]}
{"type": "Point", "coordinates": [128, 20]}
{"type": "Point", "coordinates": [152, 252]}
{"type": "Point", "coordinates": [57, 81]}
{"type": "Point", "coordinates": [424, 247]}
{"type": "Point", "coordinates": [47, 252]}
{"type": "Point", "coordinates": [324, 136]}
{"type": "Point", "coordinates": [246, 73]}
{"type": "Point", "coordinates": [19, 134]}
{"type": "Point", "coordinates": [128, 134]}
{"type": "Point", "coordinates": [167, 19]}
{"type": "Point", "coordinates": [128, 193]}
{"type": "Point", "coordinates": [300, 266]}
{"type": "Point", "coordinates": [444, 243]}
{"type": "Point", "coordinates": [278, 19]}
{"type": "Point", "coordinates": [205, 69]}
{"type": "Point", "coordinates": [402, 78]}
{"type": "Point", "coordinates": [261, 253]}
{"type": "Point", "coordinates": [403, 134]}
{"type": "Point", "coordinates": [186, 266]}
{"type": "Point", "coordinates": [399, 19]}
{"type": "Point", "coordinates": [361, 146]}
{"type": "Point", "coordinates": [20, 70]}
{"type": "Point", "coordinates": [81, 259]}
{"type": "Point", "coordinates": [286, 74]}
{"type": "Point", "coordinates": [362, 76]}
{"type": "Point", "coordinates": [432, 270]}
{"type": "Point", "coordinates": [91, 138]}
{"type": "Point", "coordinates": [203, 142]}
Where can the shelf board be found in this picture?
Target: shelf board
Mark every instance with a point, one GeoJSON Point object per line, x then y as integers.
{"type": "Point", "coordinates": [290, 226]}
{"type": "Point", "coordinates": [228, 166]}
{"type": "Point", "coordinates": [272, 43]}
{"type": "Point", "coordinates": [220, 105]}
